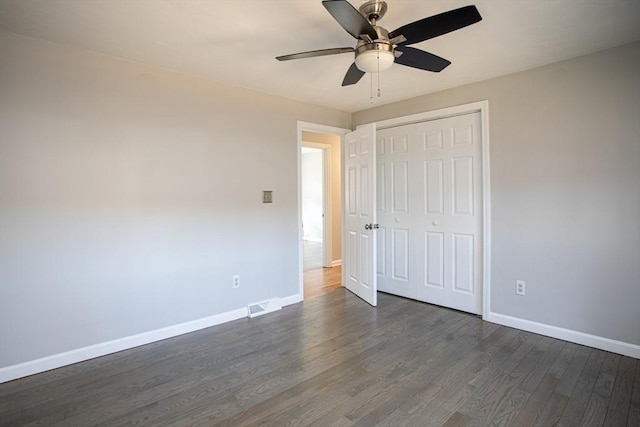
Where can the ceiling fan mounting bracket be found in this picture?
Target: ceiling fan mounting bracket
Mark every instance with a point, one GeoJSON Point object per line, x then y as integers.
{"type": "Point", "coordinates": [373, 10]}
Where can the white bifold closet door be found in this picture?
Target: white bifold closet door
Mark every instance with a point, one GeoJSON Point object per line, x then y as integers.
{"type": "Point", "coordinates": [429, 207]}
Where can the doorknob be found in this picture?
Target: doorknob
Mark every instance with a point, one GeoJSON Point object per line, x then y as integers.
{"type": "Point", "coordinates": [367, 226]}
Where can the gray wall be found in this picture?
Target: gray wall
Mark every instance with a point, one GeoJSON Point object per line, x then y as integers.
{"type": "Point", "coordinates": [565, 185]}
{"type": "Point", "coordinates": [130, 195]}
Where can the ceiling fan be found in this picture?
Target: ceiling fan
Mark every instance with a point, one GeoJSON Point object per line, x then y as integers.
{"type": "Point", "coordinates": [377, 49]}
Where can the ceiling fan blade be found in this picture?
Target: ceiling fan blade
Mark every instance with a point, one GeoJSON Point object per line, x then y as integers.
{"type": "Point", "coordinates": [420, 59]}
{"type": "Point", "coordinates": [437, 25]}
{"type": "Point", "coordinates": [353, 76]}
{"type": "Point", "coordinates": [312, 53]}
{"type": "Point", "coordinates": [349, 18]}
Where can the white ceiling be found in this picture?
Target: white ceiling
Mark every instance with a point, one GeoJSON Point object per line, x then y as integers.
{"type": "Point", "coordinates": [235, 41]}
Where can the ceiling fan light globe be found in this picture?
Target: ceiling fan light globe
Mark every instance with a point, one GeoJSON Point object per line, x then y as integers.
{"type": "Point", "coordinates": [372, 61]}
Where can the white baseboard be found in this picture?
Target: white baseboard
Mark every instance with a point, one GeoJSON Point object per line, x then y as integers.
{"type": "Point", "coordinates": [291, 299]}
{"type": "Point", "coordinates": [619, 347]}
{"type": "Point", "coordinates": [85, 353]}
{"type": "Point", "coordinates": [336, 263]}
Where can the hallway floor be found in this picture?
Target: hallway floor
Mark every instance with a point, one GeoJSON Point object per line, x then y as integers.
{"type": "Point", "coordinates": [318, 280]}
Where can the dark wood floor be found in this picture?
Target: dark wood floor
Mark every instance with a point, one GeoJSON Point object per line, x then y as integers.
{"type": "Point", "coordinates": [333, 360]}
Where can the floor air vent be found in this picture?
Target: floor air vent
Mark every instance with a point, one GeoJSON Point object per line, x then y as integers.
{"type": "Point", "coordinates": [264, 307]}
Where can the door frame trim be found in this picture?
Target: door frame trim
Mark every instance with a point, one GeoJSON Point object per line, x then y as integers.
{"type": "Point", "coordinates": [483, 108]}
{"type": "Point", "coordinates": [317, 128]}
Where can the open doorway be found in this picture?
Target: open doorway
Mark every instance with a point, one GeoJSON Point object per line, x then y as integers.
{"type": "Point", "coordinates": [320, 185]}
{"type": "Point", "coordinates": [319, 178]}
{"type": "Point", "coordinates": [313, 181]}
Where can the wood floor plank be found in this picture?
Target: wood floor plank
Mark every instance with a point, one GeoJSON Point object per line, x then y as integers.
{"type": "Point", "coordinates": [510, 393]}
{"type": "Point", "coordinates": [456, 391]}
{"type": "Point", "coordinates": [618, 408]}
{"type": "Point", "coordinates": [109, 394]}
{"type": "Point", "coordinates": [579, 398]}
{"type": "Point", "coordinates": [255, 386]}
{"type": "Point", "coordinates": [634, 401]}
{"type": "Point", "coordinates": [563, 361]}
{"type": "Point", "coordinates": [599, 400]}
{"type": "Point", "coordinates": [552, 410]}
{"type": "Point", "coordinates": [372, 374]}
{"type": "Point", "coordinates": [246, 362]}
{"type": "Point", "coordinates": [504, 413]}
{"type": "Point", "coordinates": [112, 377]}
{"type": "Point", "coordinates": [457, 420]}
{"type": "Point", "coordinates": [335, 360]}
{"type": "Point", "coordinates": [528, 415]}
{"type": "Point", "coordinates": [406, 409]}
{"type": "Point", "coordinates": [285, 373]}
{"type": "Point", "coordinates": [574, 370]}
{"type": "Point", "coordinates": [543, 361]}
{"type": "Point", "coordinates": [502, 385]}
{"type": "Point", "coordinates": [424, 373]}
{"type": "Point", "coordinates": [499, 367]}
{"type": "Point", "coordinates": [453, 387]}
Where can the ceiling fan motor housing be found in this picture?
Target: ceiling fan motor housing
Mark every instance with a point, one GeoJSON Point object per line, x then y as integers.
{"type": "Point", "coordinates": [372, 56]}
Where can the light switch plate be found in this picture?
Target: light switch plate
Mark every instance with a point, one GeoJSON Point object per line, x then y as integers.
{"type": "Point", "coordinates": [267, 196]}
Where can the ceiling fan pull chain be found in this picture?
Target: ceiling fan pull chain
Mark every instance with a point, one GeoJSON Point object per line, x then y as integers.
{"type": "Point", "coordinates": [371, 88]}
{"type": "Point", "coordinates": [378, 74]}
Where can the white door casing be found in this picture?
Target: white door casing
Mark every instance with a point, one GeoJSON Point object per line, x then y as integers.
{"type": "Point", "coordinates": [359, 239]}
{"type": "Point", "coordinates": [429, 203]}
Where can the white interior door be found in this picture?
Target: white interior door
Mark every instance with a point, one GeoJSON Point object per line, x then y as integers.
{"type": "Point", "coordinates": [430, 211]}
{"type": "Point", "coordinates": [359, 233]}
